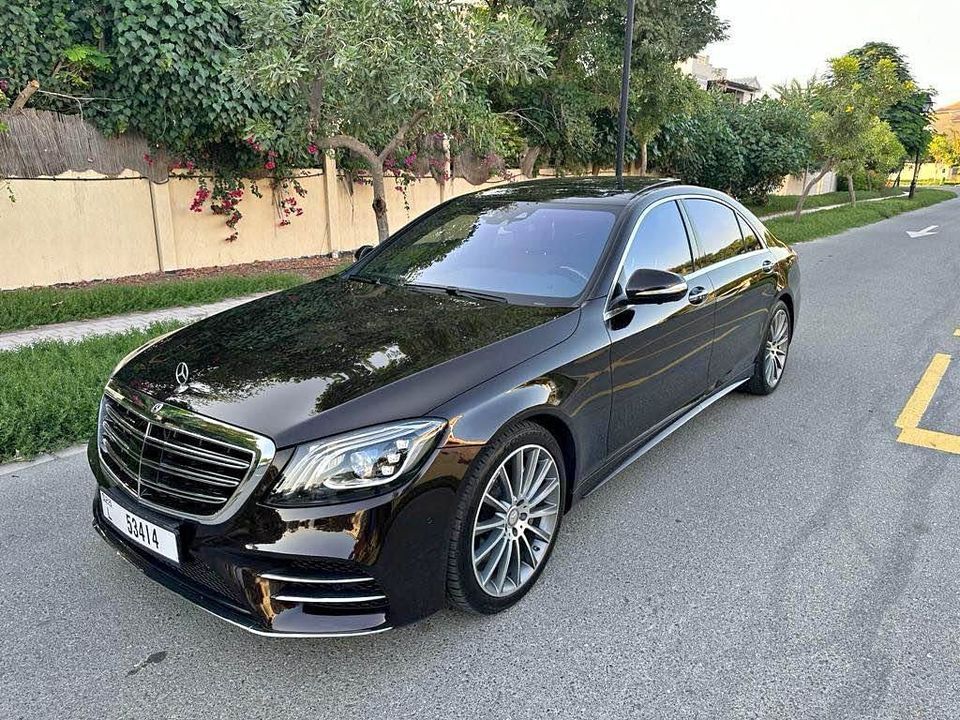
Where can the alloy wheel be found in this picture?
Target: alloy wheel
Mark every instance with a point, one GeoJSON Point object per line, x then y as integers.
{"type": "Point", "coordinates": [775, 354]}
{"type": "Point", "coordinates": [516, 521]}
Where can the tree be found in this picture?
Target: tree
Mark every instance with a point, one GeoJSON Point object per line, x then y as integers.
{"type": "Point", "coordinates": [744, 149]}
{"type": "Point", "coordinates": [701, 149]}
{"type": "Point", "coordinates": [845, 105]}
{"type": "Point", "coordinates": [566, 114]}
{"type": "Point", "coordinates": [371, 72]}
{"type": "Point", "coordinates": [658, 94]}
{"type": "Point", "coordinates": [774, 138]}
{"type": "Point", "coordinates": [879, 151]}
{"type": "Point", "coordinates": [945, 149]}
{"type": "Point", "coordinates": [909, 118]}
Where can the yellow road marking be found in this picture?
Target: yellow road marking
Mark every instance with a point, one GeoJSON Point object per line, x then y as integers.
{"type": "Point", "coordinates": [912, 413]}
{"type": "Point", "coordinates": [919, 401]}
{"type": "Point", "coordinates": [931, 439]}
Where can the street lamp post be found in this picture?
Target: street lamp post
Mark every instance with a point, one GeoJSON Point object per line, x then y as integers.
{"type": "Point", "coordinates": [625, 88]}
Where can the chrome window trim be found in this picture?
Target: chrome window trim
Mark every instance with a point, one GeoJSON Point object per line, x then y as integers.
{"type": "Point", "coordinates": [200, 426]}
{"type": "Point", "coordinates": [728, 261]}
{"type": "Point", "coordinates": [609, 311]}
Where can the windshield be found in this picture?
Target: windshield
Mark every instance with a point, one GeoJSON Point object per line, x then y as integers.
{"type": "Point", "coordinates": [525, 252]}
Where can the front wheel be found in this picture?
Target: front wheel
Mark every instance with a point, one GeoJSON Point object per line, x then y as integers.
{"type": "Point", "coordinates": [507, 520]}
{"type": "Point", "coordinates": [772, 359]}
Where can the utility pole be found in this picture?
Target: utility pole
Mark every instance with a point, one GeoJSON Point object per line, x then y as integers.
{"type": "Point", "coordinates": [625, 88]}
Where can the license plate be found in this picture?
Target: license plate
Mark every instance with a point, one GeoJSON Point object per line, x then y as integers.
{"type": "Point", "coordinates": [144, 533]}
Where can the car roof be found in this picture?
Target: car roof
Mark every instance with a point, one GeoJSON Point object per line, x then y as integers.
{"type": "Point", "coordinates": [606, 190]}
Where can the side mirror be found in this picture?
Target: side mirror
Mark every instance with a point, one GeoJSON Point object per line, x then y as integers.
{"type": "Point", "coordinates": [654, 286]}
{"type": "Point", "coordinates": [361, 251]}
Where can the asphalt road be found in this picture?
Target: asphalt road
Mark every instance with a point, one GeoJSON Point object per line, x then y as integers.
{"type": "Point", "coordinates": [780, 557]}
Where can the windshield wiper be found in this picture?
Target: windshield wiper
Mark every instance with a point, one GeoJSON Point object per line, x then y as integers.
{"type": "Point", "coordinates": [456, 292]}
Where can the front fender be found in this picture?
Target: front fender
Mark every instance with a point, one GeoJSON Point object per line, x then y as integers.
{"type": "Point", "coordinates": [567, 384]}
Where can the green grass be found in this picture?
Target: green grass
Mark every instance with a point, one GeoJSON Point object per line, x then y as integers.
{"type": "Point", "coordinates": [41, 306]}
{"type": "Point", "coordinates": [786, 203]}
{"type": "Point", "coordinates": [51, 391]}
{"type": "Point", "coordinates": [830, 222]}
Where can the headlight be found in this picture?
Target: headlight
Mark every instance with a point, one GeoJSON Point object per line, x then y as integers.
{"type": "Point", "coordinates": [356, 464]}
{"type": "Point", "coordinates": [150, 343]}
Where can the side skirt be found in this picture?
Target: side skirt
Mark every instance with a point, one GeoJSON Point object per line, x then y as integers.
{"type": "Point", "coordinates": [665, 433]}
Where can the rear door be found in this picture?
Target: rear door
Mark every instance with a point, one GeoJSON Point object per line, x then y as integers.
{"type": "Point", "coordinates": [741, 271]}
{"type": "Point", "coordinates": [660, 353]}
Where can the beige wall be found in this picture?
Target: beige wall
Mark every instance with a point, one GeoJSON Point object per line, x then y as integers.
{"type": "Point", "coordinates": [74, 228]}
{"type": "Point", "coordinates": [68, 230]}
{"type": "Point", "coordinates": [794, 184]}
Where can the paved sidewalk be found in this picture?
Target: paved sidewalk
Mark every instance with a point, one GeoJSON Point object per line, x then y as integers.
{"type": "Point", "coordinates": [786, 213]}
{"type": "Point", "coordinates": [80, 329]}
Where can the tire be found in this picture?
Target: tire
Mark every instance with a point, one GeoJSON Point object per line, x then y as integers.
{"type": "Point", "coordinates": [490, 521]}
{"type": "Point", "coordinates": [774, 349]}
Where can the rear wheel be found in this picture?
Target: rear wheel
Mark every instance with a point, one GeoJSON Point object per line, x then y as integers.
{"type": "Point", "coordinates": [772, 359]}
{"type": "Point", "coordinates": [507, 520]}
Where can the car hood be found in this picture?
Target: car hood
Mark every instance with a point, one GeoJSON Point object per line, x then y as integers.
{"type": "Point", "coordinates": [335, 355]}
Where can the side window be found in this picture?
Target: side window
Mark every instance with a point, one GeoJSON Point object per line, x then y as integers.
{"type": "Point", "coordinates": [660, 243]}
{"type": "Point", "coordinates": [750, 240]}
{"type": "Point", "coordinates": [717, 229]}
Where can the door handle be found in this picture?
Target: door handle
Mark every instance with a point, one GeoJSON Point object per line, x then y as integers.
{"type": "Point", "coordinates": [697, 295]}
{"type": "Point", "coordinates": [767, 266]}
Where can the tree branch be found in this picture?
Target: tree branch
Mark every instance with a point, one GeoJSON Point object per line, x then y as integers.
{"type": "Point", "coordinates": [398, 138]}
{"type": "Point", "coordinates": [350, 143]}
{"type": "Point", "coordinates": [30, 88]}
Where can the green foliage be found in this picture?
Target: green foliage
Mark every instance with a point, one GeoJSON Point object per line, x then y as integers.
{"type": "Point", "coordinates": [830, 222]}
{"type": "Point", "coordinates": [945, 149]}
{"type": "Point", "coordinates": [744, 149]}
{"type": "Point", "coordinates": [774, 142]}
{"type": "Point", "coordinates": [41, 306]}
{"type": "Point", "coordinates": [777, 204]}
{"type": "Point", "coordinates": [702, 149]}
{"type": "Point", "coordinates": [910, 116]}
{"type": "Point", "coordinates": [50, 391]}
{"type": "Point", "coordinates": [80, 63]}
{"type": "Point", "coordinates": [170, 78]}
{"type": "Point", "coordinates": [846, 107]}
{"type": "Point", "coordinates": [365, 75]}
{"type": "Point", "coordinates": [569, 112]}
{"type": "Point", "coordinates": [34, 37]}
{"type": "Point", "coordinates": [365, 68]}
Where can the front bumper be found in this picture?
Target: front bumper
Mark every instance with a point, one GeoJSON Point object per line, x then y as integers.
{"type": "Point", "coordinates": [342, 570]}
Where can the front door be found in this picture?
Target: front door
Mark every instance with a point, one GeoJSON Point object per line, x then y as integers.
{"type": "Point", "coordinates": [660, 353]}
{"type": "Point", "coordinates": [741, 271]}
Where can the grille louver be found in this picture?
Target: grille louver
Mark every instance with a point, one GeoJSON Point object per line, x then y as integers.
{"type": "Point", "coordinates": [169, 467]}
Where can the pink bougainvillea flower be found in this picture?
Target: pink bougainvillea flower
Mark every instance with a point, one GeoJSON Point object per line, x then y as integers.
{"type": "Point", "coordinates": [312, 149]}
{"type": "Point", "coordinates": [270, 165]}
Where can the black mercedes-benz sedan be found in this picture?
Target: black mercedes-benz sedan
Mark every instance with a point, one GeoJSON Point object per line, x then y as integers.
{"type": "Point", "coordinates": [355, 453]}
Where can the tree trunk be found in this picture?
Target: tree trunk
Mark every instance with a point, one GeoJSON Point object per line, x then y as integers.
{"type": "Point", "coordinates": [643, 158]}
{"type": "Point", "coordinates": [29, 89]}
{"type": "Point", "coordinates": [529, 161]}
{"type": "Point", "coordinates": [806, 190]}
{"type": "Point", "coordinates": [916, 173]}
{"type": "Point", "coordinates": [852, 190]}
{"type": "Point", "coordinates": [594, 168]}
{"type": "Point", "coordinates": [896, 183]}
{"type": "Point", "coordinates": [380, 203]}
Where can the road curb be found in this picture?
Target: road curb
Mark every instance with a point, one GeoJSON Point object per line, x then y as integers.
{"type": "Point", "coordinates": [14, 467]}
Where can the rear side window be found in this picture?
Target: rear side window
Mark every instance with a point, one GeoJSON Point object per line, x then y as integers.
{"type": "Point", "coordinates": [717, 229]}
{"type": "Point", "coordinates": [750, 240]}
{"type": "Point", "coordinates": [660, 243]}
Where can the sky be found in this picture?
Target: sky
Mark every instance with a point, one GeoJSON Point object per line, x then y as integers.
{"type": "Point", "coordinates": [777, 40]}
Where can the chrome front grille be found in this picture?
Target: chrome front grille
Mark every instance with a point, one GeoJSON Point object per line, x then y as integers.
{"type": "Point", "coordinates": [169, 465]}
